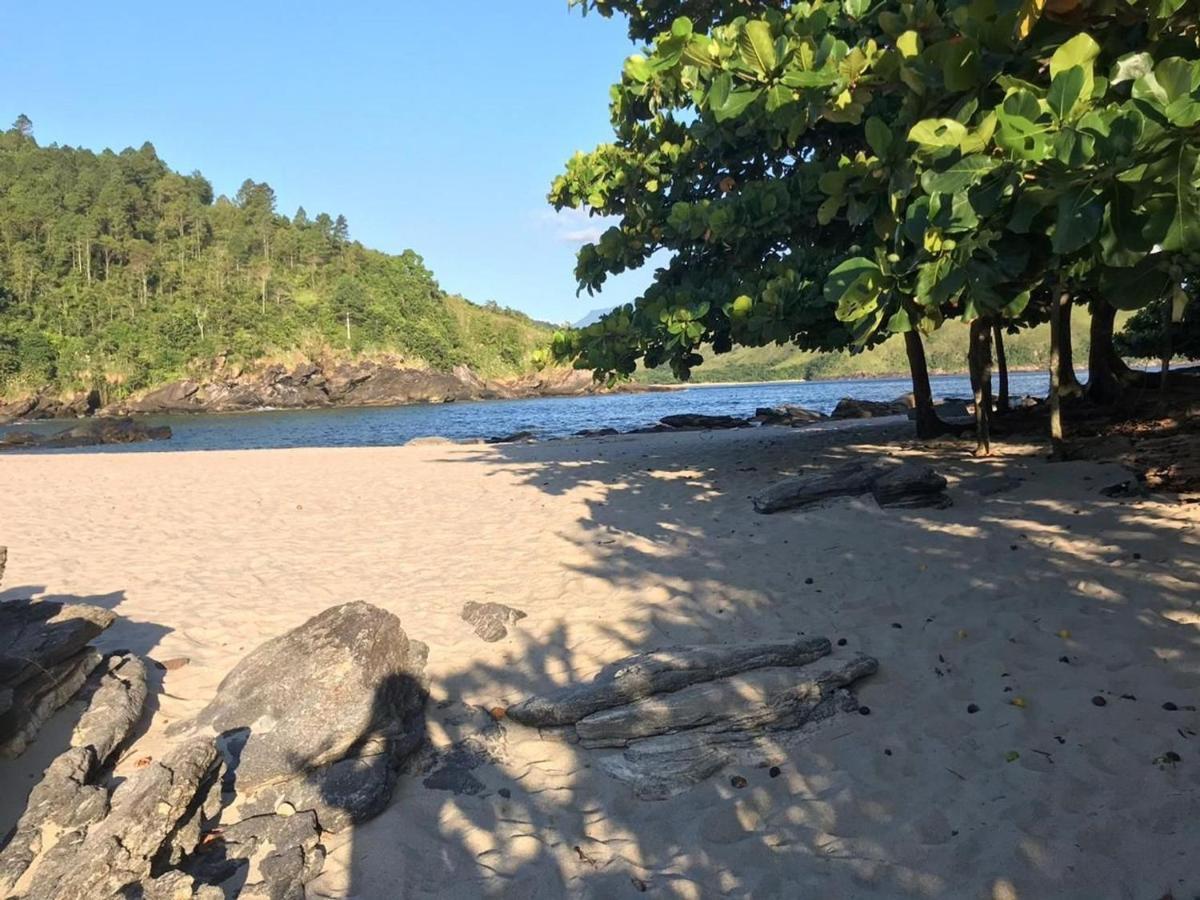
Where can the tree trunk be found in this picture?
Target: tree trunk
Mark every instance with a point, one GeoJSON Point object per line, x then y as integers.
{"type": "Point", "coordinates": [1104, 386]}
{"type": "Point", "coordinates": [347, 330]}
{"type": "Point", "coordinates": [928, 423]}
{"type": "Point", "coordinates": [1068, 382]}
{"type": "Point", "coordinates": [1057, 442]}
{"type": "Point", "coordinates": [979, 361]}
{"type": "Point", "coordinates": [1165, 370]}
{"type": "Point", "coordinates": [1002, 403]}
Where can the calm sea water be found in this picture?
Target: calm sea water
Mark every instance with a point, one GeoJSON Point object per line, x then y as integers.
{"type": "Point", "coordinates": [546, 417]}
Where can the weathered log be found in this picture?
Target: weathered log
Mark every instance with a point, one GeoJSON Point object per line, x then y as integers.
{"type": "Point", "coordinates": [658, 672]}
{"type": "Point", "coordinates": [849, 480]}
{"type": "Point", "coordinates": [762, 700]}
{"type": "Point", "coordinates": [910, 485]}
{"type": "Point", "coordinates": [659, 768]}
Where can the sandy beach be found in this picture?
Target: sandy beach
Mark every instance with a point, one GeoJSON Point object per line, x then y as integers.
{"type": "Point", "coordinates": [1049, 592]}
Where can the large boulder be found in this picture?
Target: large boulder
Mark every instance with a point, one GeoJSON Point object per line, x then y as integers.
{"type": "Point", "coordinates": [853, 408]}
{"type": "Point", "coordinates": [788, 415]}
{"type": "Point", "coordinates": [311, 716]}
{"type": "Point", "coordinates": [88, 434]}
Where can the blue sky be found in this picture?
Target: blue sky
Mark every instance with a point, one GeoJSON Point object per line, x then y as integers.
{"type": "Point", "coordinates": [432, 125]}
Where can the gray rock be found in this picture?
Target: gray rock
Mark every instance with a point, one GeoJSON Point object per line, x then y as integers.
{"type": "Point", "coordinates": [322, 716]}
{"type": "Point", "coordinates": [910, 485]}
{"type": "Point", "coordinates": [284, 851]}
{"type": "Point", "coordinates": [662, 767]}
{"type": "Point", "coordinates": [852, 408]}
{"type": "Point", "coordinates": [789, 415]}
{"type": "Point", "coordinates": [114, 708]}
{"type": "Point", "coordinates": [990, 485]}
{"type": "Point", "coordinates": [517, 437]}
{"type": "Point", "coordinates": [849, 480]}
{"type": "Point", "coordinates": [763, 700]}
{"type": "Point", "coordinates": [36, 634]}
{"type": "Point", "coordinates": [36, 699]}
{"type": "Point", "coordinates": [3, 562]}
{"type": "Point", "coordinates": [657, 672]}
{"type": "Point", "coordinates": [893, 485]}
{"type": "Point", "coordinates": [89, 434]}
{"type": "Point", "coordinates": [118, 853]}
{"type": "Point", "coordinates": [309, 697]}
{"type": "Point", "coordinates": [490, 619]}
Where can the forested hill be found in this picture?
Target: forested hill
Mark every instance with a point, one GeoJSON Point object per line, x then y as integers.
{"type": "Point", "coordinates": [118, 273]}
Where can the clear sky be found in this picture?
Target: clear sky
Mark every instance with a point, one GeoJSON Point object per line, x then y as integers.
{"type": "Point", "coordinates": [432, 125]}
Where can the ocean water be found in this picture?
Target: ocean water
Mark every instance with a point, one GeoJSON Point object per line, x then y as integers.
{"type": "Point", "coordinates": [548, 417]}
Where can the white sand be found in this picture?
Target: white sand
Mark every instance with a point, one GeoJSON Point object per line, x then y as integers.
{"type": "Point", "coordinates": [623, 544]}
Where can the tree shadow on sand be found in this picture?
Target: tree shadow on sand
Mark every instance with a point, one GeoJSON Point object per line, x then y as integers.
{"type": "Point", "coordinates": [1047, 593]}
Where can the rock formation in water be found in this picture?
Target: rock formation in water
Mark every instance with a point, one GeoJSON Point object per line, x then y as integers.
{"type": "Point", "coordinates": [87, 434]}
{"type": "Point", "coordinates": [679, 714]}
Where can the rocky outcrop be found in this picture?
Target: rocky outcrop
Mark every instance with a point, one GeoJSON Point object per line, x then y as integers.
{"type": "Point", "coordinates": [88, 434]}
{"type": "Point", "coordinates": [327, 384]}
{"type": "Point", "coordinates": [682, 713]}
{"type": "Point", "coordinates": [851, 408]}
{"type": "Point", "coordinates": [897, 485]}
{"type": "Point", "coordinates": [304, 736]}
{"type": "Point", "coordinates": [699, 422]}
{"type": "Point", "coordinates": [491, 620]}
{"type": "Point", "coordinates": [44, 660]}
{"type": "Point", "coordinates": [788, 415]}
{"type": "Point", "coordinates": [47, 406]}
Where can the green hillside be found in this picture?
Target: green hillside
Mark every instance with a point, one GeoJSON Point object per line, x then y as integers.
{"type": "Point", "coordinates": [946, 350]}
{"type": "Point", "coordinates": [118, 273]}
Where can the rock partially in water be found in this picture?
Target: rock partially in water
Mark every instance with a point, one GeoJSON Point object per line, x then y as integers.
{"type": "Point", "coordinates": [517, 437]}
{"type": "Point", "coordinates": [788, 415]}
{"type": "Point", "coordinates": [700, 422]}
{"type": "Point", "coordinates": [89, 434]}
{"type": "Point", "coordinates": [852, 408]}
{"type": "Point", "coordinates": [491, 620]}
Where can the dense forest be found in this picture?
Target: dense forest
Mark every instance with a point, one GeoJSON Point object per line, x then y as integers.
{"type": "Point", "coordinates": [117, 272]}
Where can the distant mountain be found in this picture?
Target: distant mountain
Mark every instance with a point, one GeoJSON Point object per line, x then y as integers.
{"type": "Point", "coordinates": [594, 316]}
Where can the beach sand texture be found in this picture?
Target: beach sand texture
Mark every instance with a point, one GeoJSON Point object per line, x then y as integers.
{"type": "Point", "coordinates": [623, 544]}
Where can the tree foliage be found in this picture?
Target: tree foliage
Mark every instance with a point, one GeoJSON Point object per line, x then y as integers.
{"type": "Point", "coordinates": [116, 271]}
{"type": "Point", "coordinates": [831, 173]}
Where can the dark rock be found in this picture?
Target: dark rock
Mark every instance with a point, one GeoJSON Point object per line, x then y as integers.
{"type": "Point", "coordinates": [852, 408]}
{"type": "Point", "coordinates": [597, 432]}
{"type": "Point", "coordinates": [3, 562]}
{"type": "Point", "coordinates": [35, 634]}
{"type": "Point", "coordinates": [118, 852]}
{"type": "Point", "coordinates": [696, 422]}
{"type": "Point", "coordinates": [490, 619]}
{"type": "Point", "coordinates": [990, 485]}
{"type": "Point", "coordinates": [326, 711]}
{"type": "Point", "coordinates": [285, 851]}
{"type": "Point", "coordinates": [910, 485]}
{"type": "Point", "coordinates": [792, 416]}
{"type": "Point", "coordinates": [670, 669]}
{"type": "Point", "coordinates": [515, 437]}
{"type": "Point", "coordinates": [90, 434]}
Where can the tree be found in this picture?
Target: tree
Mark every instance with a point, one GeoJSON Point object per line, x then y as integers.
{"type": "Point", "coordinates": [23, 125]}
{"type": "Point", "coordinates": [908, 162]}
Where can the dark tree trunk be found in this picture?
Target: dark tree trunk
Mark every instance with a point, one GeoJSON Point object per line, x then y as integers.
{"type": "Point", "coordinates": [1057, 441]}
{"type": "Point", "coordinates": [1002, 402]}
{"type": "Point", "coordinates": [928, 423]}
{"type": "Point", "coordinates": [1104, 384]}
{"type": "Point", "coordinates": [1068, 382]}
{"type": "Point", "coordinates": [979, 361]}
{"type": "Point", "coordinates": [1165, 371]}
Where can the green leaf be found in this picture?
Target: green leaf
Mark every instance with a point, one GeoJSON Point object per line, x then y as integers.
{"type": "Point", "coordinates": [856, 9]}
{"type": "Point", "coordinates": [938, 133]}
{"type": "Point", "coordinates": [1079, 214]}
{"type": "Point", "coordinates": [958, 176]}
{"type": "Point", "coordinates": [909, 44]}
{"type": "Point", "coordinates": [961, 67]}
{"type": "Point", "coordinates": [854, 287]}
{"type": "Point", "coordinates": [682, 27]}
{"type": "Point", "coordinates": [1080, 50]}
{"type": "Point", "coordinates": [758, 47]}
{"type": "Point", "coordinates": [1065, 90]}
{"type": "Point", "coordinates": [1183, 234]}
{"type": "Point", "coordinates": [1136, 286]}
{"type": "Point", "coordinates": [879, 136]}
